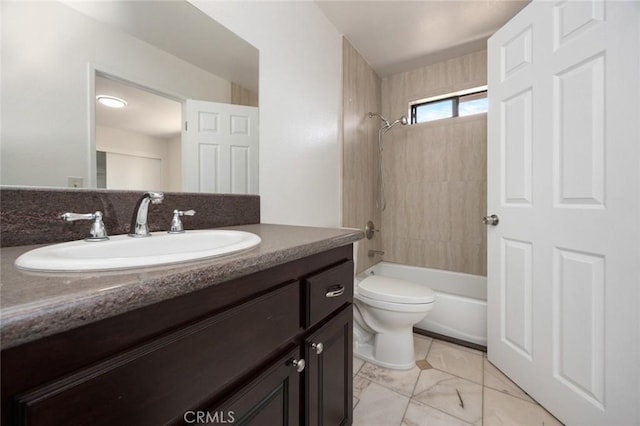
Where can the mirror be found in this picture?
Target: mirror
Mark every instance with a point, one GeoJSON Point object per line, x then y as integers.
{"type": "Point", "coordinates": [57, 56]}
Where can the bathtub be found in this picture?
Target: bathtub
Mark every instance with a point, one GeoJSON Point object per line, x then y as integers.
{"type": "Point", "coordinates": [460, 309]}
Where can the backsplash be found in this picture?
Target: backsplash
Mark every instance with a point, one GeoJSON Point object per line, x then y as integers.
{"type": "Point", "coordinates": [31, 215]}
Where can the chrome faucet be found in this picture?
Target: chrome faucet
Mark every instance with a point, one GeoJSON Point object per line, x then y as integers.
{"type": "Point", "coordinates": [139, 224]}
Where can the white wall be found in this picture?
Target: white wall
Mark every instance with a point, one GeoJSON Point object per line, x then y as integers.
{"type": "Point", "coordinates": [174, 151]}
{"type": "Point", "coordinates": [46, 51]}
{"type": "Point", "coordinates": [300, 106]}
{"type": "Point", "coordinates": [118, 141]}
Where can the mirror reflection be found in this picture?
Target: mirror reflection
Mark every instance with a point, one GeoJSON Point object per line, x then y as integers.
{"type": "Point", "coordinates": [174, 67]}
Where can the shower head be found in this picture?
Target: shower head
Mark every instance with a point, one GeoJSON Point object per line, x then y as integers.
{"type": "Point", "coordinates": [402, 120]}
{"type": "Point", "coordinates": [386, 125]}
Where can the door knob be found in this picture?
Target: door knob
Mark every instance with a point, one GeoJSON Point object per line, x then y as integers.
{"type": "Point", "coordinates": [492, 220]}
{"type": "Point", "coordinates": [298, 364]}
{"type": "Point", "coordinates": [318, 347]}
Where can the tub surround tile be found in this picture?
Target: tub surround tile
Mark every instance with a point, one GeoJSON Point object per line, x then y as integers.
{"type": "Point", "coordinates": [39, 305]}
{"type": "Point", "coordinates": [361, 94]}
{"type": "Point", "coordinates": [466, 199]}
{"type": "Point", "coordinates": [440, 390]}
{"type": "Point", "coordinates": [466, 152]}
{"type": "Point", "coordinates": [430, 162]}
{"type": "Point", "coordinates": [419, 414]}
{"type": "Point", "coordinates": [501, 409]}
{"type": "Point", "coordinates": [401, 381]}
{"type": "Point", "coordinates": [495, 379]}
{"type": "Point", "coordinates": [456, 361]}
{"type": "Point", "coordinates": [31, 215]}
{"type": "Point", "coordinates": [428, 254]}
{"type": "Point", "coordinates": [379, 406]}
{"type": "Point", "coordinates": [436, 172]}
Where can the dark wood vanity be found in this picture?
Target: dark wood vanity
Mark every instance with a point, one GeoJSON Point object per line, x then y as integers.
{"type": "Point", "coordinates": [217, 341]}
{"type": "Point", "coordinates": [229, 353]}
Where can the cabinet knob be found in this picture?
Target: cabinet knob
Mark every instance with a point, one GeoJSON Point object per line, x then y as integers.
{"type": "Point", "coordinates": [318, 347]}
{"type": "Point", "coordinates": [299, 364]}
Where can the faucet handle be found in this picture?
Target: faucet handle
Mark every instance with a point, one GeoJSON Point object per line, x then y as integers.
{"type": "Point", "coordinates": [176, 222]}
{"type": "Point", "coordinates": [98, 231]}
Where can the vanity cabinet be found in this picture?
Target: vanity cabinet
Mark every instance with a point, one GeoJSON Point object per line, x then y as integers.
{"type": "Point", "coordinates": [231, 353]}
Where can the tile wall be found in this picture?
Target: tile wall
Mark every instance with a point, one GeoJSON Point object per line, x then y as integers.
{"type": "Point", "coordinates": [361, 89]}
{"type": "Point", "coordinates": [435, 172]}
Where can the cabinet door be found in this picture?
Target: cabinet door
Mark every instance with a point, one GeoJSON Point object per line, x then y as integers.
{"type": "Point", "coordinates": [163, 378]}
{"type": "Point", "coordinates": [273, 398]}
{"type": "Point", "coordinates": [329, 377]}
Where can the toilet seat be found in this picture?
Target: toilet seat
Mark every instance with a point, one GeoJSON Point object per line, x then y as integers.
{"type": "Point", "coordinates": [394, 291]}
{"type": "Point", "coordinates": [395, 307]}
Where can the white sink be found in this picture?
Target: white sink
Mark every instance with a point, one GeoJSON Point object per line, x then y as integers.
{"type": "Point", "coordinates": [123, 252]}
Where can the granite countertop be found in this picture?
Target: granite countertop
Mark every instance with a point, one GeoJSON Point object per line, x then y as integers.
{"type": "Point", "coordinates": [36, 305]}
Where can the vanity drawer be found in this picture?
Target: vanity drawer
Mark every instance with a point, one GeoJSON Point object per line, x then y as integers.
{"type": "Point", "coordinates": [156, 383]}
{"type": "Point", "coordinates": [327, 291]}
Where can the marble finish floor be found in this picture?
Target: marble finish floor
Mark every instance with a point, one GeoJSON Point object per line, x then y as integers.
{"type": "Point", "coordinates": [450, 385]}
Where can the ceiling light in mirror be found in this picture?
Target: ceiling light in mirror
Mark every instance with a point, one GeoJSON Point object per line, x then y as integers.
{"type": "Point", "coordinates": [111, 101]}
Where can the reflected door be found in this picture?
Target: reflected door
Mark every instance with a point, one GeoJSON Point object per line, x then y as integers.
{"type": "Point", "coordinates": [220, 148]}
{"type": "Point", "coordinates": [563, 178]}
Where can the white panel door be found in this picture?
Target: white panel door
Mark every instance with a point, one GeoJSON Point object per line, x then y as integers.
{"type": "Point", "coordinates": [563, 160]}
{"type": "Point", "coordinates": [220, 148]}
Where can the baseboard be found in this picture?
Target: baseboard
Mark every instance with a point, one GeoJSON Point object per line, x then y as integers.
{"type": "Point", "coordinates": [450, 339]}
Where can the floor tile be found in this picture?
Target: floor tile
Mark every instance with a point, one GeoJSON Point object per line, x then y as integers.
{"type": "Point", "coordinates": [359, 385]}
{"type": "Point", "coordinates": [440, 390]}
{"type": "Point", "coordinates": [502, 409]}
{"type": "Point", "coordinates": [379, 406]}
{"type": "Point", "coordinates": [456, 361]}
{"type": "Point", "coordinates": [357, 364]}
{"type": "Point", "coordinates": [423, 364]}
{"type": "Point", "coordinates": [401, 381]}
{"type": "Point", "coordinates": [463, 348]}
{"type": "Point", "coordinates": [382, 397]}
{"type": "Point", "coordinates": [419, 414]}
{"type": "Point", "coordinates": [496, 380]}
{"type": "Point", "coordinates": [421, 345]}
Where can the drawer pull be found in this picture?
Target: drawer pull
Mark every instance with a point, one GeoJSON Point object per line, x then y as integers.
{"type": "Point", "coordinates": [336, 293]}
{"type": "Point", "coordinates": [299, 364]}
{"type": "Point", "coordinates": [318, 347]}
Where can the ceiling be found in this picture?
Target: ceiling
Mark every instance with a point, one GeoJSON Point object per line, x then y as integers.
{"type": "Point", "coordinates": [145, 113]}
{"type": "Point", "coordinates": [396, 36]}
{"type": "Point", "coordinates": [393, 36]}
{"type": "Point", "coordinates": [181, 29]}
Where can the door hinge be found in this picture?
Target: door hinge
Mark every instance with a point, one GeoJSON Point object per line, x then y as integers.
{"type": "Point", "coordinates": [186, 126]}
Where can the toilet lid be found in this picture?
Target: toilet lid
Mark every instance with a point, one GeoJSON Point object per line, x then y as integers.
{"type": "Point", "coordinates": [393, 290]}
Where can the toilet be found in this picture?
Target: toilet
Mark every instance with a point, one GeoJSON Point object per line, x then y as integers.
{"type": "Point", "coordinates": [385, 311]}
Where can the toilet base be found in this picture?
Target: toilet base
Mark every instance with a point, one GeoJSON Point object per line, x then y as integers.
{"type": "Point", "coordinates": [366, 351]}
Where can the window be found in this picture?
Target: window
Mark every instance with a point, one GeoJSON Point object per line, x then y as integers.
{"type": "Point", "coordinates": [468, 102]}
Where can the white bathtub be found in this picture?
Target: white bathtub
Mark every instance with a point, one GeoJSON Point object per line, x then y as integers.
{"type": "Point", "coordinates": [460, 309]}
